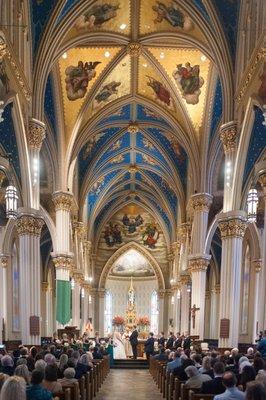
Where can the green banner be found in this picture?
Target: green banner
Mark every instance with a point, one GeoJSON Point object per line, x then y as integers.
{"type": "Point", "coordinates": [63, 296]}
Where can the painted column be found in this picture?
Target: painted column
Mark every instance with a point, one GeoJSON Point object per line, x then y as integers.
{"type": "Point", "coordinates": [177, 309]}
{"type": "Point", "coordinates": [4, 264]}
{"type": "Point", "coordinates": [214, 312]}
{"type": "Point", "coordinates": [62, 257]}
{"type": "Point", "coordinates": [232, 226]}
{"type": "Point", "coordinates": [257, 266]}
{"type": "Point", "coordinates": [198, 267]}
{"type": "Point", "coordinates": [35, 137]}
{"type": "Point", "coordinates": [29, 228]}
{"type": "Point", "coordinates": [185, 291]}
{"type": "Point", "coordinates": [229, 136]}
{"type": "Point", "coordinates": [262, 283]}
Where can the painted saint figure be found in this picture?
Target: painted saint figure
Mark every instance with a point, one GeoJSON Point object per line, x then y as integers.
{"type": "Point", "coordinates": [77, 78]}
{"type": "Point", "coordinates": [189, 81]}
{"type": "Point", "coordinates": [172, 15]}
{"type": "Point", "coordinates": [107, 91]}
{"type": "Point", "coordinates": [160, 91]}
{"type": "Point", "coordinates": [96, 16]}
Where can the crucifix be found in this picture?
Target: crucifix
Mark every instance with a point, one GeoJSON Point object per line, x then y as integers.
{"type": "Point", "coordinates": [193, 314]}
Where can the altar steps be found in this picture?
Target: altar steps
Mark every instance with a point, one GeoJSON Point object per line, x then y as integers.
{"type": "Point", "coordinates": [130, 364]}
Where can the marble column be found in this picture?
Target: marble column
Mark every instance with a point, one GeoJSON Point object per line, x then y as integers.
{"type": "Point", "coordinates": [207, 314]}
{"type": "Point", "coordinates": [63, 202]}
{"type": "Point", "coordinates": [232, 226]}
{"type": "Point", "coordinates": [87, 260]}
{"type": "Point", "coordinates": [262, 283]}
{"type": "Point", "coordinates": [185, 292]}
{"type": "Point", "coordinates": [198, 267]}
{"type": "Point", "coordinates": [161, 298]}
{"type": "Point", "coordinates": [85, 309]}
{"type": "Point", "coordinates": [76, 298]}
{"type": "Point", "coordinates": [4, 264]}
{"type": "Point", "coordinates": [183, 233]}
{"type": "Point", "coordinates": [229, 137]}
{"type": "Point", "coordinates": [29, 228]}
{"type": "Point", "coordinates": [44, 309]}
{"type": "Point", "coordinates": [35, 137]}
{"type": "Point", "coordinates": [257, 267]}
{"type": "Point", "coordinates": [214, 311]}
{"type": "Point", "coordinates": [101, 297]}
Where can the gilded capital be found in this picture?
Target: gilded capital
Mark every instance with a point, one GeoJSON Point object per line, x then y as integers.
{"type": "Point", "coordinates": [184, 279]}
{"type": "Point", "coordinates": [198, 264]}
{"type": "Point", "coordinates": [134, 49]}
{"type": "Point", "coordinates": [101, 293]}
{"type": "Point", "coordinates": [80, 229]}
{"type": "Point", "coordinates": [3, 48]}
{"type": "Point", "coordinates": [216, 289]}
{"type": "Point", "coordinates": [36, 134]}
{"type": "Point", "coordinates": [63, 201]}
{"type": "Point", "coordinates": [4, 260]}
{"type": "Point", "coordinates": [183, 231]}
{"type": "Point", "coordinates": [45, 286]}
{"type": "Point", "coordinates": [133, 127]}
{"type": "Point", "coordinates": [29, 225]}
{"type": "Point", "coordinates": [257, 265]}
{"type": "Point", "coordinates": [78, 276]}
{"type": "Point", "coordinates": [228, 136]}
{"type": "Point", "coordinates": [2, 177]}
{"type": "Point", "coordinates": [64, 262]}
{"type": "Point", "coordinates": [201, 202]}
{"type": "Point", "coordinates": [234, 227]}
{"type": "Point", "coordinates": [87, 245]}
{"type": "Point", "coordinates": [262, 180]}
{"type": "Point", "coordinates": [161, 293]}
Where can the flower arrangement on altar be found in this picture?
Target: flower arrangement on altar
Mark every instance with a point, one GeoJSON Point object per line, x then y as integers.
{"type": "Point", "coordinates": [118, 320]}
{"type": "Point", "coordinates": [143, 321]}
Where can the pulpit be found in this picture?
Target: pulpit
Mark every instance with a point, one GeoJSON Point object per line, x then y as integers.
{"type": "Point", "coordinates": [71, 331]}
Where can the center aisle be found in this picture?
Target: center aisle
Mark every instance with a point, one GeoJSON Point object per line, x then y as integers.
{"type": "Point", "coordinates": [129, 384]}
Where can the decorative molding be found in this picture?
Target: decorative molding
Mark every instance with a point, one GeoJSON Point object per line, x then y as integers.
{"type": "Point", "coordinates": [228, 136]}
{"type": "Point", "coordinates": [6, 53]}
{"type": "Point", "coordinates": [29, 225]}
{"type": "Point", "coordinates": [45, 286]}
{"type": "Point", "coordinates": [64, 262]}
{"type": "Point", "coordinates": [197, 264]}
{"type": "Point", "coordinates": [80, 229]}
{"type": "Point", "coordinates": [201, 202]}
{"type": "Point", "coordinates": [216, 289]}
{"type": "Point", "coordinates": [63, 201]}
{"type": "Point", "coordinates": [184, 279]}
{"type": "Point", "coordinates": [257, 265]}
{"type": "Point", "coordinates": [183, 231]}
{"type": "Point", "coordinates": [161, 294]}
{"type": "Point", "coordinates": [2, 177]}
{"type": "Point", "coordinates": [4, 259]}
{"type": "Point", "coordinates": [101, 293]}
{"type": "Point", "coordinates": [36, 134]}
{"type": "Point", "coordinates": [233, 227]}
{"type": "Point", "coordinates": [78, 276]}
{"type": "Point", "coordinates": [134, 49]}
{"type": "Point", "coordinates": [133, 127]}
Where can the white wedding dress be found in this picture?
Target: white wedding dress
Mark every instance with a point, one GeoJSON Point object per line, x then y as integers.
{"type": "Point", "coordinates": [119, 348]}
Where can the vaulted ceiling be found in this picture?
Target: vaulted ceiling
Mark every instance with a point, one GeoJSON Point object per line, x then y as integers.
{"type": "Point", "coordinates": [134, 96]}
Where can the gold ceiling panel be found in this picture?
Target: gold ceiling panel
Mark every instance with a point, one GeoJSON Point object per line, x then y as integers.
{"type": "Point", "coordinates": [158, 16]}
{"type": "Point", "coordinates": [112, 15]}
{"type": "Point", "coordinates": [78, 72]}
{"type": "Point", "coordinates": [116, 85]}
{"type": "Point", "coordinates": [189, 70]}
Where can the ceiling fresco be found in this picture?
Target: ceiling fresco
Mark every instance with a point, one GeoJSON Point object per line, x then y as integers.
{"type": "Point", "coordinates": [132, 263]}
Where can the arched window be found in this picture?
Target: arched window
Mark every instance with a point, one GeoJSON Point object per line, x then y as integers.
{"type": "Point", "coordinates": [108, 312]}
{"type": "Point", "coordinates": [154, 312]}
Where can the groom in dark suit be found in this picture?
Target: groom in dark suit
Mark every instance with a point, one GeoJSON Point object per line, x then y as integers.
{"type": "Point", "coordinates": [134, 342]}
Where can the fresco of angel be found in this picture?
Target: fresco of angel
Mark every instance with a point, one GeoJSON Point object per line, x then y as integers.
{"type": "Point", "coordinates": [77, 79]}
{"type": "Point", "coordinates": [107, 91]}
{"type": "Point", "coordinates": [189, 81]}
{"type": "Point", "coordinates": [160, 90]}
{"type": "Point", "coordinates": [172, 15]}
{"type": "Point", "coordinates": [96, 16]}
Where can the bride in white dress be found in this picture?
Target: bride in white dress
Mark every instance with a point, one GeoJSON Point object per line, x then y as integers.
{"type": "Point", "coordinates": [119, 348]}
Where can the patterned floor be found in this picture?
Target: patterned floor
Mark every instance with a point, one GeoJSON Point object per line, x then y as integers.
{"type": "Point", "coordinates": [129, 385]}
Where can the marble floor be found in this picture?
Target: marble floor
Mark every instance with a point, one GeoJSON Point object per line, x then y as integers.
{"type": "Point", "coordinates": [132, 384]}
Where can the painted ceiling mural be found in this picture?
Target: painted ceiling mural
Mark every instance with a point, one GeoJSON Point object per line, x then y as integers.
{"type": "Point", "coordinates": [132, 263]}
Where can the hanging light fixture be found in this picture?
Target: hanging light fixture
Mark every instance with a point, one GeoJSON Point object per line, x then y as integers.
{"type": "Point", "coordinates": [189, 287]}
{"type": "Point", "coordinates": [82, 293]}
{"type": "Point", "coordinates": [252, 204]}
{"type": "Point", "coordinates": [11, 202]}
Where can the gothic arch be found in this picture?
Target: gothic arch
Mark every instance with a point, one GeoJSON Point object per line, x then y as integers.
{"type": "Point", "coordinates": [124, 249]}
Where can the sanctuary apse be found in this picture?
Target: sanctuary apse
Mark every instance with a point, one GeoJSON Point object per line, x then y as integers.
{"type": "Point", "coordinates": [132, 138]}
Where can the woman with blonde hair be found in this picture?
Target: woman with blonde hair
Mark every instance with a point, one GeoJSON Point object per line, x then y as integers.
{"type": "Point", "coordinates": [23, 371]}
{"type": "Point", "coordinates": [14, 388]}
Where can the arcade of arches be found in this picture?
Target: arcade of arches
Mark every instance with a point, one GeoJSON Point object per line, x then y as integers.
{"type": "Point", "coordinates": [134, 133]}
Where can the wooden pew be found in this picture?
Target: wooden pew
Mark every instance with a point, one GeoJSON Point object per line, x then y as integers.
{"type": "Point", "coordinates": [82, 389]}
{"type": "Point", "coordinates": [65, 395]}
{"type": "Point", "coordinates": [184, 392]}
{"type": "Point", "coordinates": [199, 396]}
{"type": "Point", "coordinates": [170, 390]}
{"type": "Point", "coordinates": [177, 389]}
{"type": "Point", "coordinates": [74, 389]}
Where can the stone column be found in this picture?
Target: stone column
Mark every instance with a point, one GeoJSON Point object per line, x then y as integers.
{"type": "Point", "coordinates": [29, 228]}
{"type": "Point", "coordinates": [35, 137]}
{"type": "Point", "coordinates": [76, 294]}
{"type": "Point", "coordinates": [63, 266]}
{"type": "Point", "coordinates": [256, 265]}
{"type": "Point", "coordinates": [232, 226]}
{"type": "Point", "coordinates": [87, 260]}
{"type": "Point", "coordinates": [161, 297]}
{"type": "Point", "coordinates": [101, 297]}
{"type": "Point", "coordinates": [214, 312]}
{"type": "Point", "coordinates": [185, 291]}
{"type": "Point", "coordinates": [44, 308]}
{"type": "Point", "coordinates": [183, 233]}
{"type": "Point", "coordinates": [198, 267]}
{"type": "Point", "coordinates": [63, 202]}
{"type": "Point", "coordinates": [4, 263]}
{"type": "Point", "coordinates": [85, 309]}
{"type": "Point", "coordinates": [207, 314]}
{"type": "Point", "coordinates": [80, 236]}
{"type": "Point", "coordinates": [229, 136]}
{"type": "Point", "coordinates": [262, 282]}
{"type": "Point", "coordinates": [92, 306]}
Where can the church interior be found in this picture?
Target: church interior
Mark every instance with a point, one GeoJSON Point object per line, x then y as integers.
{"type": "Point", "coordinates": [133, 169]}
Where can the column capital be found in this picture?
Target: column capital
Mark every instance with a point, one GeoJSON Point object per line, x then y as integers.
{"type": "Point", "coordinates": [183, 230]}
{"type": "Point", "coordinates": [101, 293]}
{"type": "Point", "coordinates": [184, 279]}
{"type": "Point", "coordinates": [216, 289]}
{"type": "Point", "coordinates": [198, 263]}
{"type": "Point", "coordinates": [86, 287]}
{"type": "Point", "coordinates": [161, 293]}
{"type": "Point", "coordinates": [200, 202]}
{"type": "Point", "coordinates": [228, 136]}
{"type": "Point", "coordinates": [257, 264]}
{"type": "Point", "coordinates": [29, 225]}
{"type": "Point", "coordinates": [63, 261]}
{"type": "Point", "coordinates": [63, 200]}
{"type": "Point", "coordinates": [87, 245]}
{"type": "Point", "coordinates": [4, 260]}
{"type": "Point", "coordinates": [262, 180]}
{"type": "Point", "coordinates": [78, 276]}
{"type": "Point", "coordinates": [232, 224]}
{"type": "Point", "coordinates": [45, 286]}
{"type": "Point", "coordinates": [81, 229]}
{"type": "Point", "coordinates": [35, 134]}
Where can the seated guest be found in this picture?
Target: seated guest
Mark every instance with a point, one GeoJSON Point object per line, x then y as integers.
{"type": "Point", "coordinates": [49, 359]}
{"type": "Point", "coordinates": [50, 379]}
{"type": "Point", "coordinates": [76, 357]}
{"type": "Point", "coordinates": [161, 340]}
{"type": "Point", "coordinates": [262, 345]}
{"type": "Point", "coordinates": [197, 360]}
{"type": "Point", "coordinates": [180, 371]}
{"type": "Point", "coordinates": [82, 366]}
{"type": "Point", "coordinates": [255, 391]}
{"type": "Point", "coordinates": [31, 358]}
{"type": "Point", "coordinates": [3, 378]}
{"type": "Point", "coordinates": [248, 374]}
{"type": "Point", "coordinates": [231, 392]}
{"type": "Point", "coordinates": [23, 371]}
{"type": "Point", "coordinates": [7, 365]}
{"type": "Point", "coordinates": [258, 364]}
{"type": "Point", "coordinates": [195, 379]}
{"type": "Point", "coordinates": [96, 353]}
{"type": "Point", "coordinates": [69, 377]}
{"type": "Point", "coordinates": [149, 346]}
{"type": "Point", "coordinates": [215, 386]}
{"type": "Point", "coordinates": [40, 365]}
{"type": "Point", "coordinates": [206, 366]}
{"type": "Point", "coordinates": [176, 361]}
{"type": "Point", "coordinates": [261, 377]}
{"type": "Point", "coordinates": [162, 356]}
{"type": "Point", "coordinates": [250, 353]}
{"type": "Point", "coordinates": [16, 356]}
{"type": "Point", "coordinates": [14, 388]}
{"type": "Point", "coordinates": [22, 361]}
{"type": "Point", "coordinates": [35, 391]}
{"type": "Point", "coordinates": [62, 365]}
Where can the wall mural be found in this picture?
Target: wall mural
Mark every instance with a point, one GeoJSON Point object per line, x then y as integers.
{"type": "Point", "coordinates": [159, 89]}
{"type": "Point", "coordinates": [189, 82]}
{"type": "Point", "coordinates": [96, 16]}
{"type": "Point", "coordinates": [77, 79]}
{"type": "Point", "coordinates": [107, 91]}
{"type": "Point", "coordinates": [132, 223]}
{"type": "Point", "coordinates": [132, 263]}
{"type": "Point", "coordinates": [172, 15]}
